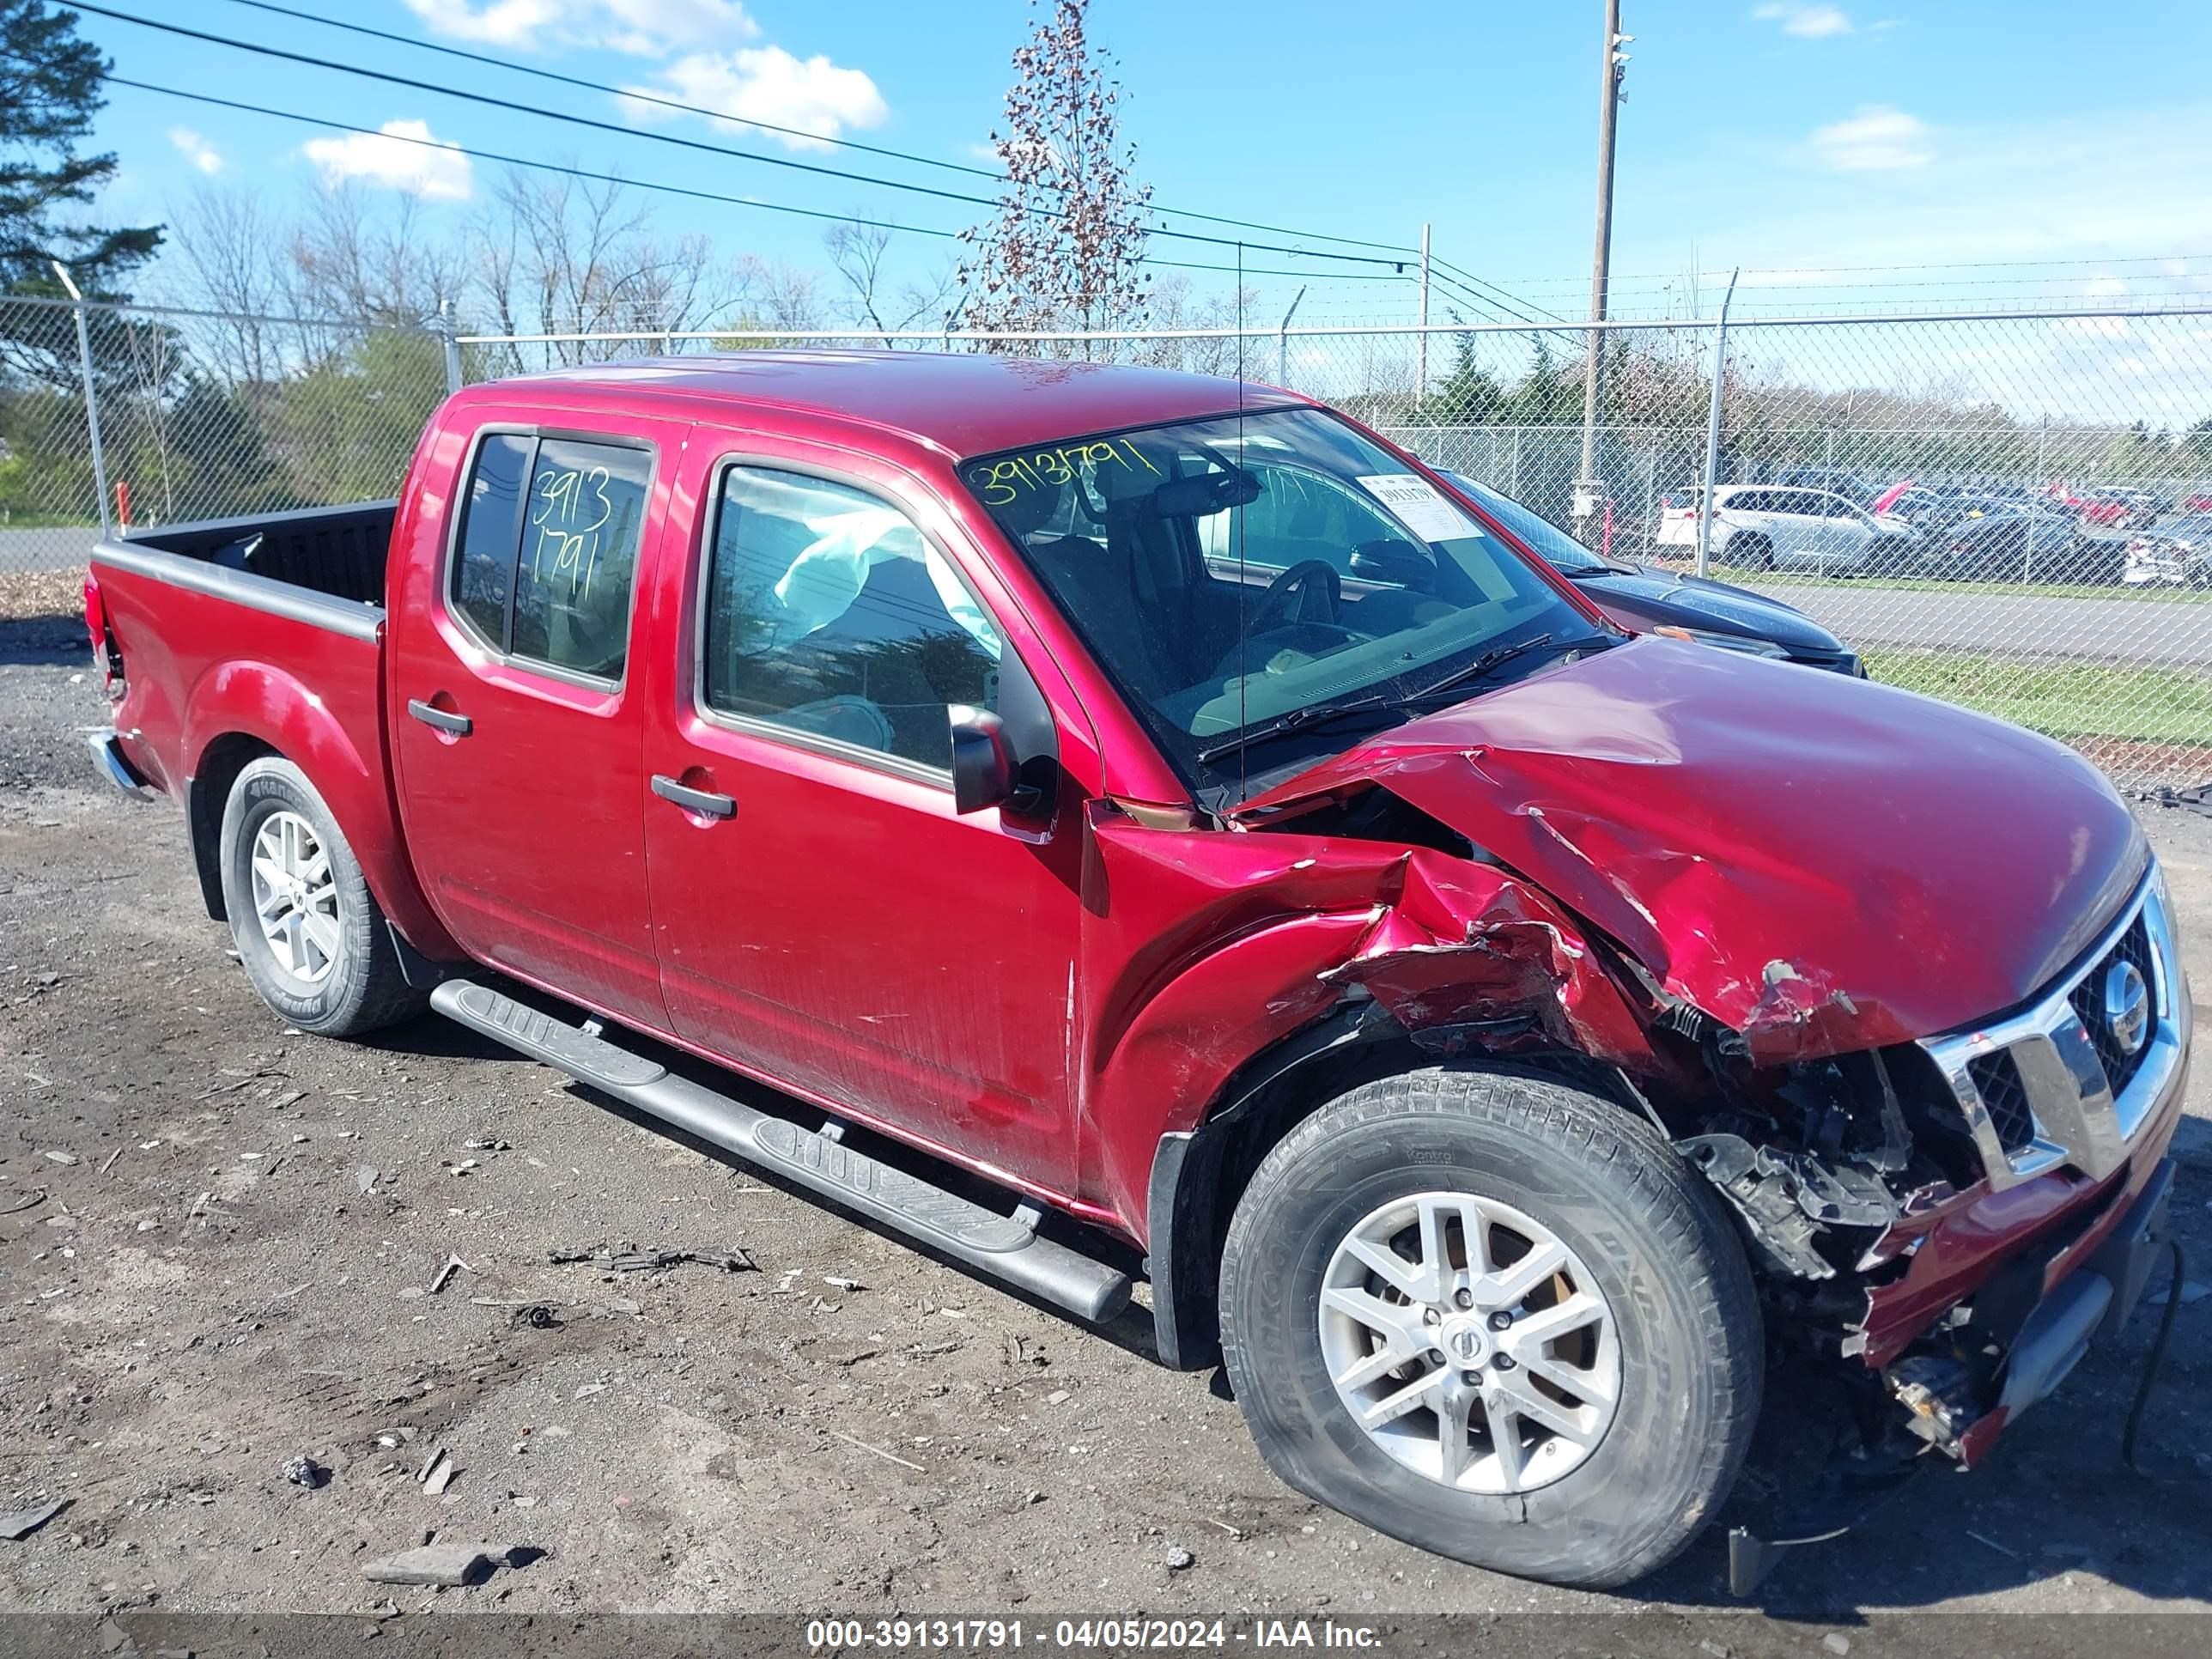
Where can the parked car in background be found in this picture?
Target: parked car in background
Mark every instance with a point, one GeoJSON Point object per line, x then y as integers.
{"type": "Point", "coordinates": [1769, 527]}
{"type": "Point", "coordinates": [1831, 480]}
{"type": "Point", "coordinates": [2009, 545]}
{"type": "Point", "coordinates": [1652, 601]}
{"type": "Point", "coordinates": [1933, 508]}
{"type": "Point", "coordinates": [2176, 553]}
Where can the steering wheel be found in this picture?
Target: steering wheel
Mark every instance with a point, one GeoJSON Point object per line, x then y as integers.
{"type": "Point", "coordinates": [1308, 587]}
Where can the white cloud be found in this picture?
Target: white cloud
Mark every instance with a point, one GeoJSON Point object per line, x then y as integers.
{"type": "Point", "coordinates": [404, 157]}
{"type": "Point", "coordinates": [767, 84]}
{"type": "Point", "coordinates": [195, 149]}
{"type": "Point", "coordinates": [1806, 22]}
{"type": "Point", "coordinates": [645, 28]}
{"type": "Point", "coordinates": [1879, 138]}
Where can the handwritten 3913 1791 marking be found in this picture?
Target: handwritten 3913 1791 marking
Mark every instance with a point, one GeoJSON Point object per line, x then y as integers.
{"type": "Point", "coordinates": [569, 507]}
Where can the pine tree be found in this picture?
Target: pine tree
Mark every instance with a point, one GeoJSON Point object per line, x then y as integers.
{"type": "Point", "coordinates": [49, 93]}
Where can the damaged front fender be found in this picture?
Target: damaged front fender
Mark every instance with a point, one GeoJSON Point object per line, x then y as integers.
{"type": "Point", "coordinates": [1201, 948]}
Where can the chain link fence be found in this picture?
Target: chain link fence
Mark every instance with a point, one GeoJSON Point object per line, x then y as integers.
{"type": "Point", "coordinates": [2008, 509]}
{"type": "Point", "coordinates": [200, 415]}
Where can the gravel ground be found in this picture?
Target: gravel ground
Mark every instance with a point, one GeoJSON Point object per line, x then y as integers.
{"type": "Point", "coordinates": [212, 1285]}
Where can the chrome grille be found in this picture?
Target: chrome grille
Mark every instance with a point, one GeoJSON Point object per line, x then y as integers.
{"type": "Point", "coordinates": [1997, 1076]}
{"type": "Point", "coordinates": [2089, 1001]}
{"type": "Point", "coordinates": [2051, 1083]}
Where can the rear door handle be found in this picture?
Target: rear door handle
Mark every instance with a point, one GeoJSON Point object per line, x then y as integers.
{"type": "Point", "coordinates": [459, 725]}
{"type": "Point", "coordinates": [694, 801]}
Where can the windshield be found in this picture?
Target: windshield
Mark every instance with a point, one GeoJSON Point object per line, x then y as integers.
{"type": "Point", "coordinates": [1241, 577]}
{"type": "Point", "coordinates": [1545, 538]}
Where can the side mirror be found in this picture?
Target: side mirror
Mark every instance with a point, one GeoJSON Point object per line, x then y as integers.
{"type": "Point", "coordinates": [983, 765]}
{"type": "Point", "coordinates": [1400, 563]}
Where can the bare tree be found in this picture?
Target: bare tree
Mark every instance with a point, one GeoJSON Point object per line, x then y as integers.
{"type": "Point", "coordinates": [1066, 247]}
{"type": "Point", "coordinates": [856, 255]}
{"type": "Point", "coordinates": [1174, 305]}
{"type": "Point", "coordinates": [232, 249]}
{"type": "Point", "coordinates": [350, 262]}
{"type": "Point", "coordinates": [557, 257]}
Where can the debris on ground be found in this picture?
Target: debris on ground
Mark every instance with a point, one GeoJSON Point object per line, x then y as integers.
{"type": "Point", "coordinates": [454, 1265]}
{"type": "Point", "coordinates": [1179, 1560]}
{"type": "Point", "coordinates": [438, 1474]}
{"type": "Point", "coordinates": [534, 1316]}
{"type": "Point", "coordinates": [364, 1178]}
{"type": "Point", "coordinates": [1836, 1642]}
{"type": "Point", "coordinates": [21, 1523]}
{"type": "Point", "coordinates": [837, 1283]}
{"type": "Point", "coordinates": [436, 1563]}
{"type": "Point", "coordinates": [635, 1261]}
{"type": "Point", "coordinates": [30, 1200]}
{"type": "Point", "coordinates": [62, 1158]}
{"type": "Point", "coordinates": [304, 1471]}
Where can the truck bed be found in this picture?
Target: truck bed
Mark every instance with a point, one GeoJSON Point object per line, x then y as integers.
{"type": "Point", "coordinates": [335, 551]}
{"type": "Point", "coordinates": [239, 636]}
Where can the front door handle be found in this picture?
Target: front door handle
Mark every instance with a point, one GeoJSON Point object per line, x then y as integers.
{"type": "Point", "coordinates": [457, 725]}
{"type": "Point", "coordinates": [704, 801]}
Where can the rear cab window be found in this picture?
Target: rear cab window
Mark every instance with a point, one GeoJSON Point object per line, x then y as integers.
{"type": "Point", "coordinates": [545, 559]}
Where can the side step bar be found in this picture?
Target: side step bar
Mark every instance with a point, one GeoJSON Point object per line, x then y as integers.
{"type": "Point", "coordinates": [1005, 1246]}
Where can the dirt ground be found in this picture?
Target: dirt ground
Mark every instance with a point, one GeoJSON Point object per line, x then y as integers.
{"type": "Point", "coordinates": [213, 1283]}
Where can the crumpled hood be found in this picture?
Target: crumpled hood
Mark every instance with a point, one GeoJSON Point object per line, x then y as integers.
{"type": "Point", "coordinates": [1821, 864]}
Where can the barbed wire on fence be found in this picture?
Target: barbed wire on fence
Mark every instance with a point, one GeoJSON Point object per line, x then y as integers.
{"type": "Point", "coordinates": [2003, 505]}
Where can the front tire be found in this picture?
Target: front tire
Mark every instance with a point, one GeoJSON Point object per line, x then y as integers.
{"type": "Point", "coordinates": [1595, 1358]}
{"type": "Point", "coordinates": [310, 934]}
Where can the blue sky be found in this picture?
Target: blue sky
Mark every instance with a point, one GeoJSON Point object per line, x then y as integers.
{"type": "Point", "coordinates": [1790, 137]}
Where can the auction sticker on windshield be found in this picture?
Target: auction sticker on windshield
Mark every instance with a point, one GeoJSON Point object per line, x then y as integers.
{"type": "Point", "coordinates": [1418, 505]}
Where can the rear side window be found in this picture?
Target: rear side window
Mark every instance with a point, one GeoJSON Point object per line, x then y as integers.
{"type": "Point", "coordinates": [548, 552]}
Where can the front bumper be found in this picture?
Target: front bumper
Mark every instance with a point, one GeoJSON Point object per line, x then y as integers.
{"type": "Point", "coordinates": [2090, 1304]}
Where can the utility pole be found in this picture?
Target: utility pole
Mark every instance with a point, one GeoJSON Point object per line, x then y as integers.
{"type": "Point", "coordinates": [1421, 351]}
{"type": "Point", "coordinates": [1614, 63]}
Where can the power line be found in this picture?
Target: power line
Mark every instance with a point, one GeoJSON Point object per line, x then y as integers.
{"type": "Point", "coordinates": [1511, 302]}
{"type": "Point", "coordinates": [1497, 308]}
{"type": "Point", "coordinates": [453, 148]}
{"type": "Point", "coordinates": [766, 126]}
{"type": "Point", "coordinates": [574, 119]}
{"type": "Point", "coordinates": [578, 82]}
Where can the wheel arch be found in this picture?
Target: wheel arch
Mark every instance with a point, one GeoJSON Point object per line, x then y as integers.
{"type": "Point", "coordinates": [207, 791]}
{"type": "Point", "coordinates": [249, 711]}
{"type": "Point", "coordinates": [1199, 1175]}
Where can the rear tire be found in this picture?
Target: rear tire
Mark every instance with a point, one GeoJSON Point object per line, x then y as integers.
{"type": "Point", "coordinates": [1751, 552]}
{"type": "Point", "coordinates": [310, 934]}
{"type": "Point", "coordinates": [1636, 1230]}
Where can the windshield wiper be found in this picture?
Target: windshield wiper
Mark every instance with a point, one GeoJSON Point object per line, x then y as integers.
{"type": "Point", "coordinates": [1299, 719]}
{"type": "Point", "coordinates": [1306, 719]}
{"type": "Point", "coordinates": [1491, 660]}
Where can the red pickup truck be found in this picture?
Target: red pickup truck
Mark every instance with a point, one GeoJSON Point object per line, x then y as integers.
{"type": "Point", "coordinates": [1149, 826]}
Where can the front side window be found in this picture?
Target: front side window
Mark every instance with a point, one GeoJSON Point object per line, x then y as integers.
{"type": "Point", "coordinates": [548, 550]}
{"type": "Point", "coordinates": [1258, 585]}
{"type": "Point", "coordinates": [829, 615]}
